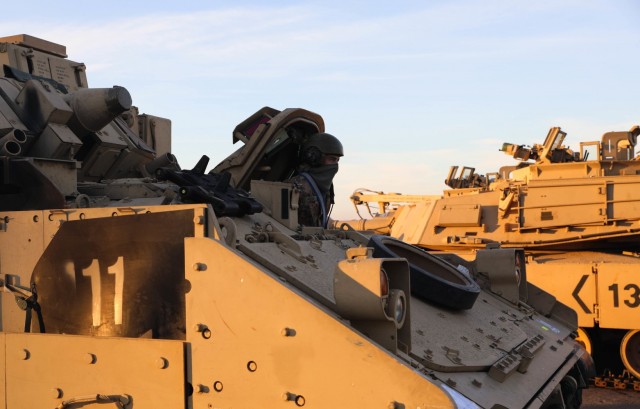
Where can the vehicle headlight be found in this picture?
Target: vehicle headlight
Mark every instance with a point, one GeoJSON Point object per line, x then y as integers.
{"type": "Point", "coordinates": [396, 307]}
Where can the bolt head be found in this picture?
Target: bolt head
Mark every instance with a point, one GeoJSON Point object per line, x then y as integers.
{"type": "Point", "coordinates": [90, 358]}
{"type": "Point", "coordinates": [162, 363]}
{"type": "Point", "coordinates": [24, 354]}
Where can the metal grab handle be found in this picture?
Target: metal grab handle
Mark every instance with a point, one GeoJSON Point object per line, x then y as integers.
{"type": "Point", "coordinates": [121, 401]}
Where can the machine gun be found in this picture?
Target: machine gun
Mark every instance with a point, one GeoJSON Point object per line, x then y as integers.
{"type": "Point", "coordinates": [214, 188]}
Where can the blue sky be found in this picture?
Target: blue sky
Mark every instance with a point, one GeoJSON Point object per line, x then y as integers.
{"type": "Point", "coordinates": [410, 87]}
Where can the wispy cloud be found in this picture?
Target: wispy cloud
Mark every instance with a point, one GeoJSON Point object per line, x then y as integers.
{"type": "Point", "coordinates": [274, 41]}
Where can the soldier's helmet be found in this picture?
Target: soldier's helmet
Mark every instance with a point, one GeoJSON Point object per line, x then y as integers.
{"type": "Point", "coordinates": [317, 145]}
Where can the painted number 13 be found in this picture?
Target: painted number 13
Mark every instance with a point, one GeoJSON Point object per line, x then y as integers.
{"type": "Point", "coordinates": [634, 295]}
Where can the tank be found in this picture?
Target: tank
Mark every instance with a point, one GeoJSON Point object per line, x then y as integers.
{"type": "Point", "coordinates": [576, 214]}
{"type": "Point", "coordinates": [129, 280]}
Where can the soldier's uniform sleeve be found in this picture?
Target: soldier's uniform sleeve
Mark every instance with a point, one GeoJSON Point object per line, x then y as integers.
{"type": "Point", "coordinates": [309, 209]}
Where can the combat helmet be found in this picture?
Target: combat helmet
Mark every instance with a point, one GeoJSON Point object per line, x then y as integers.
{"type": "Point", "coordinates": [317, 145]}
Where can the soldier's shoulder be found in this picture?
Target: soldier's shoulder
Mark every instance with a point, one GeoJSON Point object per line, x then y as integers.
{"type": "Point", "coordinates": [300, 182]}
{"type": "Point", "coordinates": [297, 179]}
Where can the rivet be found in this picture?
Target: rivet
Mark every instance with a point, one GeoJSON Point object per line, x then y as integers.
{"type": "Point", "coordinates": [206, 333]}
{"type": "Point", "coordinates": [299, 400]}
{"type": "Point", "coordinates": [198, 220]}
{"type": "Point", "coordinates": [56, 393]}
{"type": "Point", "coordinates": [162, 363]}
{"type": "Point", "coordinates": [252, 366]}
{"type": "Point", "coordinates": [202, 388]}
{"type": "Point", "coordinates": [90, 358]}
{"type": "Point", "coordinates": [186, 286]}
{"type": "Point", "coordinates": [36, 218]}
{"type": "Point", "coordinates": [199, 267]}
{"type": "Point", "coordinates": [24, 354]}
{"type": "Point", "coordinates": [288, 332]}
{"type": "Point", "coordinates": [288, 396]}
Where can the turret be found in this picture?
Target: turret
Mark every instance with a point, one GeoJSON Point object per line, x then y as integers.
{"type": "Point", "coordinates": [57, 134]}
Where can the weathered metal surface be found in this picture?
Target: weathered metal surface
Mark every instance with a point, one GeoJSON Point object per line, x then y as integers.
{"type": "Point", "coordinates": [131, 281]}
{"type": "Point", "coordinates": [577, 215]}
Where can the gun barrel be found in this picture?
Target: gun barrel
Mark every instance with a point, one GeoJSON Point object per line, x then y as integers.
{"type": "Point", "coordinates": [162, 161]}
{"type": "Point", "coordinates": [94, 108]}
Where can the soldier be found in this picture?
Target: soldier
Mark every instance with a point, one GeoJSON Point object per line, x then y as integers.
{"type": "Point", "coordinates": [319, 159]}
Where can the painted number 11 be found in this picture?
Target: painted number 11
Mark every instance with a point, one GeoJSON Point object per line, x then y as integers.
{"type": "Point", "coordinates": [93, 272]}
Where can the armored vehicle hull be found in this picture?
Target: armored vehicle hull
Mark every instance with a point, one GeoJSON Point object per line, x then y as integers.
{"type": "Point", "coordinates": [128, 280]}
{"type": "Point", "coordinates": [576, 214]}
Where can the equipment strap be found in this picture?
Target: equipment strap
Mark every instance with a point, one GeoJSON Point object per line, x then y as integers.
{"type": "Point", "coordinates": [28, 303]}
{"type": "Point", "coordinates": [319, 195]}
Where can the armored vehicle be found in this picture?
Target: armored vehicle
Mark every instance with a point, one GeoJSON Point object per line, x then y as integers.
{"type": "Point", "coordinates": [577, 215]}
{"type": "Point", "coordinates": [127, 280]}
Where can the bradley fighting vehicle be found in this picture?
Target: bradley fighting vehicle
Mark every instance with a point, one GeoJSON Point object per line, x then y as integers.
{"type": "Point", "coordinates": [577, 215]}
{"type": "Point", "coordinates": [130, 282]}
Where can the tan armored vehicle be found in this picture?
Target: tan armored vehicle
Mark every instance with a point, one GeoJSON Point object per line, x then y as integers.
{"type": "Point", "coordinates": [128, 280]}
{"type": "Point", "coordinates": [577, 215]}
